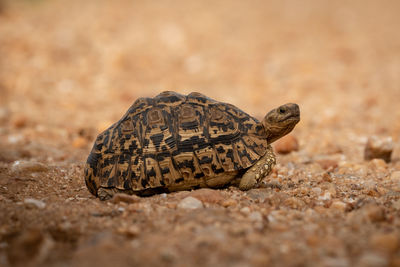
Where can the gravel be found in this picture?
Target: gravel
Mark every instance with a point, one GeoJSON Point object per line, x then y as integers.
{"type": "Point", "coordinates": [66, 76]}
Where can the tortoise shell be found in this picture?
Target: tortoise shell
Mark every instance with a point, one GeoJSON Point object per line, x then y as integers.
{"type": "Point", "coordinates": [173, 140]}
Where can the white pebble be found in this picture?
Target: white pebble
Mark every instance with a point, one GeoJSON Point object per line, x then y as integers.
{"type": "Point", "coordinates": [339, 205]}
{"type": "Point", "coordinates": [317, 190]}
{"type": "Point", "coordinates": [372, 259]}
{"type": "Point", "coordinates": [255, 216]}
{"type": "Point", "coordinates": [325, 196]}
{"type": "Point", "coordinates": [395, 176]}
{"type": "Point", "coordinates": [121, 209]}
{"type": "Point", "coordinates": [245, 210]}
{"type": "Point", "coordinates": [27, 166]}
{"type": "Point", "coordinates": [14, 139]}
{"type": "Point", "coordinates": [190, 203]}
{"type": "Point", "coordinates": [34, 203]}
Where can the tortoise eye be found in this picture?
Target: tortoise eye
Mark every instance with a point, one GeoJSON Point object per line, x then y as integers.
{"type": "Point", "coordinates": [282, 110]}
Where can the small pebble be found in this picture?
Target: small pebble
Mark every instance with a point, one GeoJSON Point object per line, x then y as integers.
{"type": "Point", "coordinates": [286, 144]}
{"type": "Point", "coordinates": [120, 197]}
{"type": "Point", "coordinates": [385, 242]}
{"type": "Point", "coordinates": [315, 168]}
{"type": "Point", "coordinates": [170, 205]}
{"type": "Point", "coordinates": [379, 148]}
{"type": "Point", "coordinates": [19, 121]}
{"type": "Point", "coordinates": [328, 164]}
{"type": "Point", "coordinates": [325, 196]}
{"type": "Point", "coordinates": [312, 240]}
{"type": "Point", "coordinates": [121, 209]}
{"type": "Point", "coordinates": [34, 203]}
{"type": "Point", "coordinates": [255, 216]}
{"type": "Point", "coordinates": [294, 203]}
{"type": "Point", "coordinates": [207, 195]}
{"type": "Point", "coordinates": [369, 259]}
{"type": "Point", "coordinates": [332, 191]}
{"type": "Point", "coordinates": [129, 231]}
{"type": "Point", "coordinates": [271, 184]}
{"type": "Point", "coordinates": [395, 176]}
{"type": "Point", "coordinates": [190, 203]}
{"type": "Point", "coordinates": [377, 164]}
{"type": "Point", "coordinates": [335, 262]}
{"type": "Point", "coordinates": [245, 210]}
{"type": "Point", "coordinates": [374, 213]}
{"type": "Point", "coordinates": [4, 114]}
{"type": "Point", "coordinates": [79, 142]}
{"type": "Point", "coordinates": [15, 138]}
{"type": "Point", "coordinates": [339, 206]}
{"type": "Point", "coordinates": [317, 190]}
{"type": "Point", "coordinates": [21, 166]}
{"type": "Point", "coordinates": [258, 194]}
{"type": "Point", "coordinates": [327, 177]}
{"type": "Point", "coordinates": [229, 203]}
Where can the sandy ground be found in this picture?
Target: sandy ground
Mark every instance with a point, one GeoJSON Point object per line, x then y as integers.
{"type": "Point", "coordinates": [68, 69]}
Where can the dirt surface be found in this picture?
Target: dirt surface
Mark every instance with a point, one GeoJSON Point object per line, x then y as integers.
{"type": "Point", "coordinates": [69, 69]}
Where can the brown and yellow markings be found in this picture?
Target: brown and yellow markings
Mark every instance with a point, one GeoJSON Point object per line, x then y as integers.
{"type": "Point", "coordinates": [153, 173]}
{"type": "Point", "coordinates": [170, 98]}
{"type": "Point", "coordinates": [175, 141]}
{"type": "Point", "coordinates": [198, 98]}
{"type": "Point", "coordinates": [140, 105]}
{"type": "Point", "coordinates": [155, 117]}
{"type": "Point", "coordinates": [208, 160]}
{"type": "Point", "coordinates": [187, 166]}
{"type": "Point", "coordinates": [216, 114]}
{"type": "Point", "coordinates": [168, 170]}
{"type": "Point", "coordinates": [189, 118]}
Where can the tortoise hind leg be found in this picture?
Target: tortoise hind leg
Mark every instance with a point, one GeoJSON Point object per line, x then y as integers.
{"type": "Point", "coordinates": [258, 171]}
{"type": "Point", "coordinates": [106, 193]}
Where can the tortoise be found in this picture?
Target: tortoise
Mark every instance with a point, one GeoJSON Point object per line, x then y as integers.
{"type": "Point", "coordinates": [176, 142]}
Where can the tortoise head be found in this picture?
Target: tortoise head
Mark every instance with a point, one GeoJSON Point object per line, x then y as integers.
{"type": "Point", "coordinates": [281, 121]}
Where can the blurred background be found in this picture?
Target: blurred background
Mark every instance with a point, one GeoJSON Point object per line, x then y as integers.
{"type": "Point", "coordinates": [70, 68]}
{"type": "Point", "coordinates": [83, 63]}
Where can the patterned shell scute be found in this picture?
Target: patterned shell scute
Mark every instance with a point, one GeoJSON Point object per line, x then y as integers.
{"type": "Point", "coordinates": [172, 139]}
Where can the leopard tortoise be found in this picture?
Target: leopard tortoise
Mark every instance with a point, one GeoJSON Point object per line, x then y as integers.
{"type": "Point", "coordinates": [174, 142]}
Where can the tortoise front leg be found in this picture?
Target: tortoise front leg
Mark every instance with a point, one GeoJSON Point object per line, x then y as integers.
{"type": "Point", "coordinates": [258, 171]}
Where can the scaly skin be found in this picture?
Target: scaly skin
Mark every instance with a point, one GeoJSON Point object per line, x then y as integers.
{"type": "Point", "coordinates": [260, 170]}
{"type": "Point", "coordinates": [174, 142]}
